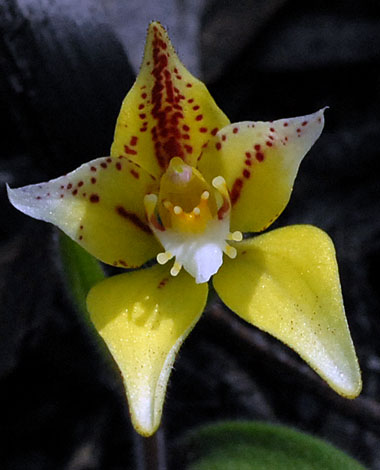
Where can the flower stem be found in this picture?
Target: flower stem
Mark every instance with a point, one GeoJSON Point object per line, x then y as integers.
{"type": "Point", "coordinates": [151, 451]}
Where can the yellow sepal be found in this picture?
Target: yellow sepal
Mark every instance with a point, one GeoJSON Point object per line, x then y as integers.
{"type": "Point", "coordinates": [167, 113]}
{"type": "Point", "coordinates": [286, 283]}
{"type": "Point", "coordinates": [259, 161]}
{"type": "Point", "coordinates": [100, 206]}
{"type": "Point", "coordinates": [144, 316]}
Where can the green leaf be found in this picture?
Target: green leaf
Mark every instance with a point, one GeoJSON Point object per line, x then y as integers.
{"type": "Point", "coordinates": [81, 271]}
{"type": "Point", "coordinates": [260, 446]}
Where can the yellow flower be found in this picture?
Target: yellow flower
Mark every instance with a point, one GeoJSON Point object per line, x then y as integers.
{"type": "Point", "coordinates": [182, 184]}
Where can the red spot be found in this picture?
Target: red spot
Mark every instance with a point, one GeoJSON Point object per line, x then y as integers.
{"type": "Point", "coordinates": [224, 137]}
{"type": "Point", "coordinates": [93, 168]}
{"type": "Point", "coordinates": [62, 187]}
{"type": "Point", "coordinates": [271, 137]}
{"type": "Point", "coordinates": [179, 77]}
{"type": "Point", "coordinates": [163, 283]}
{"type": "Point", "coordinates": [257, 147]}
{"type": "Point", "coordinates": [191, 100]}
{"type": "Point", "coordinates": [286, 124]}
{"type": "Point", "coordinates": [143, 129]}
{"type": "Point", "coordinates": [123, 263]}
{"type": "Point", "coordinates": [236, 190]}
{"type": "Point", "coordinates": [259, 156]}
{"type": "Point", "coordinates": [186, 136]}
{"type": "Point", "coordinates": [248, 155]}
{"type": "Point", "coordinates": [93, 180]}
{"type": "Point", "coordinates": [81, 227]}
{"type": "Point", "coordinates": [195, 107]}
{"type": "Point", "coordinates": [135, 174]}
{"type": "Point", "coordinates": [319, 119]}
{"type": "Point", "coordinates": [143, 96]}
{"type": "Point", "coordinates": [272, 129]}
{"type": "Point", "coordinates": [189, 148]}
{"type": "Point", "coordinates": [84, 194]}
{"type": "Point", "coordinates": [129, 151]}
{"type": "Point", "coordinates": [203, 129]}
{"type": "Point", "coordinates": [223, 209]}
{"type": "Point", "coordinates": [189, 85]}
{"type": "Point", "coordinates": [69, 186]}
{"type": "Point", "coordinates": [94, 198]}
{"type": "Point", "coordinates": [133, 140]}
{"type": "Point", "coordinates": [298, 130]}
{"type": "Point", "coordinates": [175, 70]}
{"type": "Point", "coordinates": [61, 196]}
{"type": "Point", "coordinates": [75, 192]}
{"type": "Point", "coordinates": [142, 116]}
{"type": "Point", "coordinates": [118, 166]}
{"type": "Point", "coordinates": [109, 160]}
{"type": "Point", "coordinates": [214, 131]}
{"type": "Point", "coordinates": [304, 123]}
{"type": "Point", "coordinates": [185, 127]}
{"type": "Point", "coordinates": [103, 165]}
{"type": "Point", "coordinates": [248, 162]}
{"type": "Point", "coordinates": [235, 130]}
{"type": "Point", "coordinates": [199, 117]}
{"type": "Point", "coordinates": [80, 237]}
{"type": "Point", "coordinates": [269, 144]}
{"type": "Point", "coordinates": [218, 146]}
{"type": "Point", "coordinates": [132, 217]}
{"type": "Point", "coordinates": [80, 184]}
{"type": "Point", "coordinates": [173, 148]}
{"type": "Point", "coordinates": [246, 173]}
{"type": "Point", "coordinates": [141, 106]}
{"type": "Point", "coordinates": [38, 197]}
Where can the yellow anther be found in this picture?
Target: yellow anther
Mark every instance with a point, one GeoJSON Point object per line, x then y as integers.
{"type": "Point", "coordinates": [205, 195]}
{"type": "Point", "coordinates": [235, 236]}
{"type": "Point", "coordinates": [177, 210]}
{"type": "Point", "coordinates": [230, 251]}
{"type": "Point", "coordinates": [164, 257]}
{"type": "Point", "coordinates": [196, 211]}
{"type": "Point", "coordinates": [219, 183]}
{"type": "Point", "coordinates": [175, 269]}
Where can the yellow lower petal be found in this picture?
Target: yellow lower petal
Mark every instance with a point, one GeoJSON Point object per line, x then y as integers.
{"type": "Point", "coordinates": [144, 316]}
{"type": "Point", "coordinates": [286, 283]}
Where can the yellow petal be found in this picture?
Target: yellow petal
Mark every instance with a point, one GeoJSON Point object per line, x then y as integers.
{"type": "Point", "coordinates": [167, 113]}
{"type": "Point", "coordinates": [144, 316]}
{"type": "Point", "coordinates": [286, 283]}
{"type": "Point", "coordinates": [259, 161]}
{"type": "Point", "coordinates": [100, 206]}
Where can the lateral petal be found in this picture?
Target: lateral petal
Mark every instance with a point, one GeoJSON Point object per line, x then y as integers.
{"type": "Point", "coordinates": [286, 283]}
{"type": "Point", "coordinates": [144, 316]}
{"type": "Point", "coordinates": [100, 206]}
{"type": "Point", "coordinates": [259, 161]}
{"type": "Point", "coordinates": [167, 113]}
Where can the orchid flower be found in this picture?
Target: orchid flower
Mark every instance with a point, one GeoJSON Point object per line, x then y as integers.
{"type": "Point", "coordinates": [181, 185]}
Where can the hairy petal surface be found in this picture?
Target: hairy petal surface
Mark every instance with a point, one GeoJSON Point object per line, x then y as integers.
{"type": "Point", "coordinates": [100, 206]}
{"type": "Point", "coordinates": [259, 161]}
{"type": "Point", "coordinates": [144, 316]}
{"type": "Point", "coordinates": [286, 283]}
{"type": "Point", "coordinates": [167, 113]}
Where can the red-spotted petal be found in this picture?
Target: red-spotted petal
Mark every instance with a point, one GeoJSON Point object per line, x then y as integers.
{"type": "Point", "coordinates": [259, 161]}
{"type": "Point", "coordinates": [100, 206]}
{"type": "Point", "coordinates": [167, 113]}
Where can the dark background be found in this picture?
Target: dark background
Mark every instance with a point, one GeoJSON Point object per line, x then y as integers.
{"type": "Point", "coordinates": [65, 66]}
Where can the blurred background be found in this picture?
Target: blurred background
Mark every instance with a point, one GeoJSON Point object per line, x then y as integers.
{"type": "Point", "coordinates": [65, 66]}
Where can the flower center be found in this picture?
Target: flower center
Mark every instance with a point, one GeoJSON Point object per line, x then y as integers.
{"type": "Point", "coordinates": [191, 219]}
